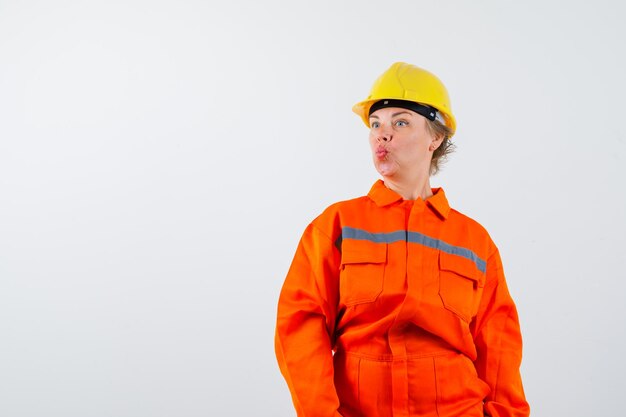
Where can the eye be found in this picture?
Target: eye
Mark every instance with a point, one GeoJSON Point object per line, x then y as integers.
{"type": "Point", "coordinates": [402, 123]}
{"type": "Point", "coordinates": [375, 125]}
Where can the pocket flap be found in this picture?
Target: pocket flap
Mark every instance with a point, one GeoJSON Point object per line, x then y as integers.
{"type": "Point", "coordinates": [363, 251]}
{"type": "Point", "coordinates": [461, 266]}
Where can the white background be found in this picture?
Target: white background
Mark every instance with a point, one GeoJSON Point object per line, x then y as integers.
{"type": "Point", "coordinates": [160, 159]}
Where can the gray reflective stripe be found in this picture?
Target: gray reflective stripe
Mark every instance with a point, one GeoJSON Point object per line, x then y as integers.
{"type": "Point", "coordinates": [414, 237]}
{"type": "Point", "coordinates": [359, 234]}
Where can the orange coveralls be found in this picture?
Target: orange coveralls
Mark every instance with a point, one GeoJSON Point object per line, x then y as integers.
{"type": "Point", "coordinates": [399, 308]}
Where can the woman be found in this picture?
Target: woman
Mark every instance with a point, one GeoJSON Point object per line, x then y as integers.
{"type": "Point", "coordinates": [395, 304]}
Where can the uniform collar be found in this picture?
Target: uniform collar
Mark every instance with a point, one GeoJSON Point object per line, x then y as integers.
{"type": "Point", "coordinates": [383, 196]}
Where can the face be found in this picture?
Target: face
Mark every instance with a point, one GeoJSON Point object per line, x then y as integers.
{"type": "Point", "coordinates": [401, 143]}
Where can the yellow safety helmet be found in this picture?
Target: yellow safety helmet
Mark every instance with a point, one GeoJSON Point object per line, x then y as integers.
{"type": "Point", "coordinates": [407, 82]}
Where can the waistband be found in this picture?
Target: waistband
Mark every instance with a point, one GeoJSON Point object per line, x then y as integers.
{"type": "Point", "coordinates": [394, 358]}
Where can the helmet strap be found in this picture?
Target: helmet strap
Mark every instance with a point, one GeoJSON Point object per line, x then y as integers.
{"type": "Point", "coordinates": [427, 111]}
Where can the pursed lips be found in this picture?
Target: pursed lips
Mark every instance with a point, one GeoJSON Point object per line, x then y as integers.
{"type": "Point", "coordinates": [381, 152]}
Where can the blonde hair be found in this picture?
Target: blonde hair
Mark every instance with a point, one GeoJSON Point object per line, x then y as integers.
{"type": "Point", "coordinates": [440, 155]}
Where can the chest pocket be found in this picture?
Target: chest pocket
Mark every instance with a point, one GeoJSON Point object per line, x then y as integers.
{"type": "Point", "coordinates": [460, 285]}
{"type": "Point", "coordinates": [362, 271]}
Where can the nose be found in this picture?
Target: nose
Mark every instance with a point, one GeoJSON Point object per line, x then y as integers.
{"type": "Point", "coordinates": [384, 137]}
{"type": "Point", "coordinates": [384, 134]}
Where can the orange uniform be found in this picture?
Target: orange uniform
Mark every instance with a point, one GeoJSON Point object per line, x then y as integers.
{"type": "Point", "coordinates": [399, 308]}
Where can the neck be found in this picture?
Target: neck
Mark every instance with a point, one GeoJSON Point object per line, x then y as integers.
{"type": "Point", "coordinates": [410, 188]}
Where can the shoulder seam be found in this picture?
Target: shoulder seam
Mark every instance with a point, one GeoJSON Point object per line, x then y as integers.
{"type": "Point", "coordinates": [313, 225]}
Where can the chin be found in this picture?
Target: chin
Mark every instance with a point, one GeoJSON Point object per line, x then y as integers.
{"type": "Point", "coordinates": [386, 168]}
{"type": "Point", "coordinates": [387, 173]}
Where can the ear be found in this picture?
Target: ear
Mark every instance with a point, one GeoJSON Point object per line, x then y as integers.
{"type": "Point", "coordinates": [435, 143]}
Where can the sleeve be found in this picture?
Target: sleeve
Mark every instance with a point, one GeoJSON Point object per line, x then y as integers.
{"type": "Point", "coordinates": [307, 311]}
{"type": "Point", "coordinates": [498, 341]}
